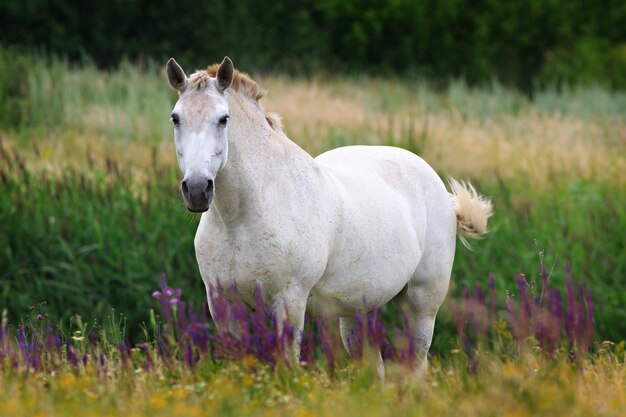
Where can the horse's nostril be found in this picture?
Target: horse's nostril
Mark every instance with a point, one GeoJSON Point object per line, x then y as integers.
{"type": "Point", "coordinates": [209, 186]}
{"type": "Point", "coordinates": [184, 187]}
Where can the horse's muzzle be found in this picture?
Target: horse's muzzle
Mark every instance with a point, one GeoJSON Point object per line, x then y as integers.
{"type": "Point", "coordinates": [197, 193]}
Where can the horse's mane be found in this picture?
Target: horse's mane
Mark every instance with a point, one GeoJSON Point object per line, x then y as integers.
{"type": "Point", "coordinates": [241, 83]}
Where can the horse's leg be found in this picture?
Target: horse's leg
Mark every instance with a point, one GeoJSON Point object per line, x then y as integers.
{"type": "Point", "coordinates": [348, 327]}
{"type": "Point", "coordinates": [421, 324]}
{"type": "Point", "coordinates": [423, 296]}
{"type": "Point", "coordinates": [289, 306]}
{"type": "Point", "coordinates": [220, 310]}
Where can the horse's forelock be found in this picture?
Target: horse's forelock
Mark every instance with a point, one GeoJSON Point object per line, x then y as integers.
{"type": "Point", "coordinates": [199, 80]}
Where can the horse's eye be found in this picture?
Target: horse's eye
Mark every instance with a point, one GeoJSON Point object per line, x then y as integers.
{"type": "Point", "coordinates": [175, 119]}
{"type": "Point", "coordinates": [223, 121]}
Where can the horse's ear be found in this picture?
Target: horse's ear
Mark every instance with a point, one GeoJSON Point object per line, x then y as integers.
{"type": "Point", "coordinates": [225, 74]}
{"type": "Point", "coordinates": [175, 75]}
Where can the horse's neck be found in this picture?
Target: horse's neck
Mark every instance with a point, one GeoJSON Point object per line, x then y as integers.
{"type": "Point", "coordinates": [260, 162]}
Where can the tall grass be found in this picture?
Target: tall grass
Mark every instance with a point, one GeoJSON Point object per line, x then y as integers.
{"type": "Point", "coordinates": [49, 96]}
{"type": "Point", "coordinates": [462, 131]}
{"type": "Point", "coordinates": [91, 213]}
{"type": "Point", "coordinates": [87, 241]}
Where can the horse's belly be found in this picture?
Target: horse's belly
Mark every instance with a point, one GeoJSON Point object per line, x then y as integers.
{"type": "Point", "coordinates": [371, 265]}
{"type": "Point", "coordinates": [360, 283]}
{"type": "Point", "coordinates": [338, 296]}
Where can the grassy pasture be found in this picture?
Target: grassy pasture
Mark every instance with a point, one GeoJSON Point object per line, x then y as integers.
{"type": "Point", "coordinates": [90, 216]}
{"type": "Point", "coordinates": [186, 367]}
{"type": "Point", "coordinates": [529, 385]}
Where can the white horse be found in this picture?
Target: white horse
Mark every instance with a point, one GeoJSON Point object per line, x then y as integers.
{"type": "Point", "coordinates": [338, 234]}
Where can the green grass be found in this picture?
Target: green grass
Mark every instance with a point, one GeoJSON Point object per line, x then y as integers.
{"type": "Point", "coordinates": [84, 242]}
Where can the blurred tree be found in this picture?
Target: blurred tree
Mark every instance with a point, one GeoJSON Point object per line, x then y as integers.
{"type": "Point", "coordinates": [523, 43]}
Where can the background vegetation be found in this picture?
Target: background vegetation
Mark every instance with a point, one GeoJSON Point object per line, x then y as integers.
{"type": "Point", "coordinates": [523, 44]}
{"type": "Point", "coordinates": [91, 213]}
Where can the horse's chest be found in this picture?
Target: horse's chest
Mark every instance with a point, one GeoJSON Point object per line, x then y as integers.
{"type": "Point", "coordinates": [242, 257]}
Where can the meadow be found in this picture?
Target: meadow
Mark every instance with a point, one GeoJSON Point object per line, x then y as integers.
{"type": "Point", "coordinates": [91, 217]}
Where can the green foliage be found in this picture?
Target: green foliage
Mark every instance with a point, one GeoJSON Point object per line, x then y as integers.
{"type": "Point", "coordinates": [587, 61]}
{"type": "Point", "coordinates": [262, 33]}
{"type": "Point", "coordinates": [13, 86]}
{"type": "Point", "coordinates": [521, 43]}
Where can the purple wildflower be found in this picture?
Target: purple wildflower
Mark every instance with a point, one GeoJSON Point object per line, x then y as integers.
{"type": "Point", "coordinates": [149, 363]}
{"type": "Point", "coordinates": [327, 346]}
{"type": "Point", "coordinates": [492, 296]}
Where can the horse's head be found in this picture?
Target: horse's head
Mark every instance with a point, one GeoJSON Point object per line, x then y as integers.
{"type": "Point", "coordinates": [200, 119]}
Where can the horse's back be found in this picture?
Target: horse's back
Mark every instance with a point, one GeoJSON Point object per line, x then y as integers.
{"type": "Point", "coordinates": [403, 171]}
{"type": "Point", "coordinates": [382, 159]}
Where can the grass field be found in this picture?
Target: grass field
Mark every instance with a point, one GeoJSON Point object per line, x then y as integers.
{"type": "Point", "coordinates": [525, 386]}
{"type": "Point", "coordinates": [185, 367]}
{"type": "Point", "coordinates": [90, 216]}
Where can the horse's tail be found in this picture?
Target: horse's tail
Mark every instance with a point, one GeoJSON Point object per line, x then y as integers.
{"type": "Point", "coordinates": [472, 211]}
